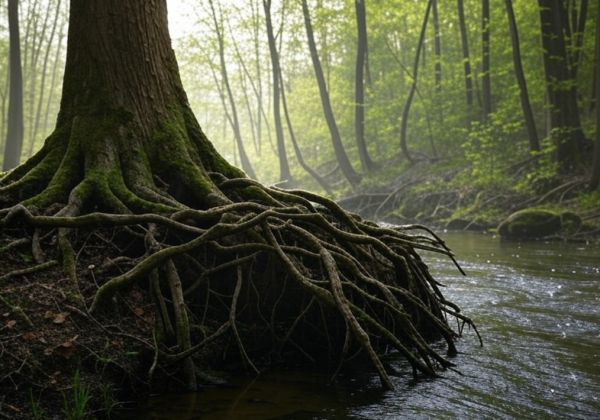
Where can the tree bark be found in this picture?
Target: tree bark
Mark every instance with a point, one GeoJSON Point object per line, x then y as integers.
{"type": "Point", "coordinates": [359, 86]}
{"type": "Point", "coordinates": [284, 168]}
{"type": "Point", "coordinates": [14, 136]}
{"type": "Point", "coordinates": [485, 66]}
{"type": "Point", "coordinates": [234, 120]}
{"type": "Point", "coordinates": [465, 53]}
{"type": "Point", "coordinates": [413, 87]}
{"type": "Point", "coordinates": [595, 175]}
{"type": "Point", "coordinates": [128, 157]}
{"type": "Point", "coordinates": [340, 153]}
{"type": "Point", "coordinates": [437, 48]}
{"type": "Point", "coordinates": [565, 125]}
{"type": "Point", "coordinates": [534, 144]}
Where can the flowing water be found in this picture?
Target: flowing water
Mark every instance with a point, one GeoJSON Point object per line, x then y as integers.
{"type": "Point", "coordinates": [537, 307]}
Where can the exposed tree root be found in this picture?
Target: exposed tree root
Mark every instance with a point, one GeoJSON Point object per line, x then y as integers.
{"type": "Point", "coordinates": [273, 271]}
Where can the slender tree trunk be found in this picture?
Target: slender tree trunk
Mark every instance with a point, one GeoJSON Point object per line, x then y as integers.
{"type": "Point", "coordinates": [4, 92]}
{"type": "Point", "coordinates": [14, 137]}
{"type": "Point", "coordinates": [465, 53]}
{"type": "Point", "coordinates": [359, 85]}
{"type": "Point", "coordinates": [257, 87]}
{"type": "Point", "coordinates": [413, 87]}
{"type": "Point", "coordinates": [284, 168]}
{"type": "Point", "coordinates": [534, 144]}
{"type": "Point", "coordinates": [322, 182]}
{"type": "Point", "coordinates": [33, 74]}
{"type": "Point", "coordinates": [40, 100]}
{"type": "Point", "coordinates": [340, 153]}
{"type": "Point", "coordinates": [595, 176]}
{"type": "Point", "coordinates": [235, 124]}
{"type": "Point", "coordinates": [485, 66]}
{"type": "Point", "coordinates": [437, 48]}
{"type": "Point", "coordinates": [575, 34]}
{"type": "Point", "coordinates": [55, 70]}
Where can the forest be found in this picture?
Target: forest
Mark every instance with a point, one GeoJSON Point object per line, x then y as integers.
{"type": "Point", "coordinates": [472, 109]}
{"type": "Point", "coordinates": [257, 192]}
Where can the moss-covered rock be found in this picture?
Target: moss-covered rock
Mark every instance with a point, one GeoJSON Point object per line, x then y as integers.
{"type": "Point", "coordinates": [537, 223]}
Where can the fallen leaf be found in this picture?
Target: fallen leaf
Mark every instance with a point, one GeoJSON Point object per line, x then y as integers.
{"type": "Point", "coordinates": [53, 377]}
{"type": "Point", "coordinates": [118, 343]}
{"type": "Point", "coordinates": [65, 350]}
{"type": "Point", "coordinates": [137, 295]}
{"type": "Point", "coordinates": [13, 408]}
{"type": "Point", "coordinates": [60, 318]}
{"type": "Point", "coordinates": [48, 315]}
{"type": "Point", "coordinates": [29, 336]}
{"type": "Point", "coordinates": [139, 311]}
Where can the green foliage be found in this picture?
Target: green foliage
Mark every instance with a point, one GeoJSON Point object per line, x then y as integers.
{"type": "Point", "coordinates": [75, 409]}
{"type": "Point", "coordinates": [37, 412]}
{"type": "Point", "coordinates": [543, 173]}
{"type": "Point", "coordinates": [590, 200]}
{"type": "Point", "coordinates": [489, 147]}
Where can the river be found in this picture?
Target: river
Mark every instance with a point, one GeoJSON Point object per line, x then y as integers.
{"type": "Point", "coordinates": [537, 307]}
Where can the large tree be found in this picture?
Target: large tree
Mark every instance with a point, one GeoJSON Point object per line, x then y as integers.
{"type": "Point", "coordinates": [561, 60]}
{"type": "Point", "coordinates": [207, 244]}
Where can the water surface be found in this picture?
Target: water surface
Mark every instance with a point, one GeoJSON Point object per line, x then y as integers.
{"type": "Point", "coordinates": [537, 307]}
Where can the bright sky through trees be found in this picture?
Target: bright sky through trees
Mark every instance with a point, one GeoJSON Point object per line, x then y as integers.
{"type": "Point", "coordinates": [180, 17]}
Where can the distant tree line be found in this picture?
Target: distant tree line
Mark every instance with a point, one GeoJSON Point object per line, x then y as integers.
{"type": "Point", "coordinates": [318, 92]}
{"type": "Point", "coordinates": [366, 82]}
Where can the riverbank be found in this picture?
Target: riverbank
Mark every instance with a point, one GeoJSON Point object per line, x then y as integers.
{"type": "Point", "coordinates": [444, 195]}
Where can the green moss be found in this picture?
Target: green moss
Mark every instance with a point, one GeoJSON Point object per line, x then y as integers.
{"type": "Point", "coordinates": [537, 223]}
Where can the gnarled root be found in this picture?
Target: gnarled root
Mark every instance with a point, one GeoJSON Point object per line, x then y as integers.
{"type": "Point", "coordinates": [275, 272]}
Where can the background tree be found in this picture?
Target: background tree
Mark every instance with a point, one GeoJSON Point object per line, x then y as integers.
{"type": "Point", "coordinates": [560, 68]}
{"type": "Point", "coordinates": [284, 168]}
{"type": "Point", "coordinates": [486, 56]}
{"type": "Point", "coordinates": [340, 153]}
{"type": "Point", "coordinates": [359, 107]}
{"type": "Point", "coordinates": [465, 53]}
{"type": "Point", "coordinates": [534, 144]}
{"type": "Point", "coordinates": [413, 88]}
{"type": "Point", "coordinates": [595, 176]}
{"type": "Point", "coordinates": [231, 112]}
{"type": "Point", "coordinates": [14, 137]}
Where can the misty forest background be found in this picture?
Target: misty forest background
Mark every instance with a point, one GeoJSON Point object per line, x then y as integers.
{"type": "Point", "coordinates": [347, 97]}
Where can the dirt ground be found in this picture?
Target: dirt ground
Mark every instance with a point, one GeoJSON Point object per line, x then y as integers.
{"type": "Point", "coordinates": [47, 336]}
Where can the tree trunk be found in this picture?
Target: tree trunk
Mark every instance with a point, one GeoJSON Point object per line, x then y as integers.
{"type": "Point", "coordinates": [114, 119]}
{"type": "Point", "coordinates": [595, 176]}
{"type": "Point", "coordinates": [340, 153]}
{"type": "Point", "coordinates": [465, 53]}
{"type": "Point", "coordinates": [565, 125]}
{"type": "Point", "coordinates": [44, 72]}
{"type": "Point", "coordinates": [14, 136]}
{"type": "Point", "coordinates": [485, 66]}
{"type": "Point", "coordinates": [234, 120]}
{"type": "Point", "coordinates": [322, 182]}
{"type": "Point", "coordinates": [534, 144]}
{"type": "Point", "coordinates": [128, 158]}
{"type": "Point", "coordinates": [437, 48]}
{"type": "Point", "coordinates": [359, 86]}
{"type": "Point", "coordinates": [284, 168]}
{"type": "Point", "coordinates": [413, 88]}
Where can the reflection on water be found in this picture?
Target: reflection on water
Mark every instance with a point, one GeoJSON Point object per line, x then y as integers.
{"type": "Point", "coordinates": [537, 307]}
